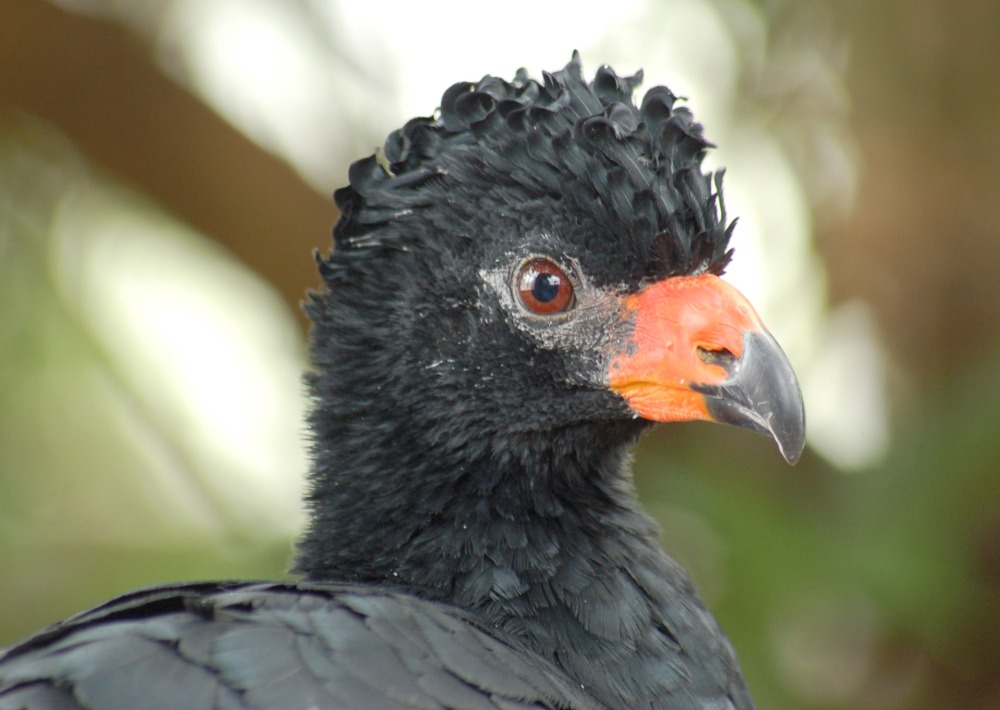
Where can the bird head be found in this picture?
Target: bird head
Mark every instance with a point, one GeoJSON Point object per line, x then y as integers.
{"type": "Point", "coordinates": [540, 257]}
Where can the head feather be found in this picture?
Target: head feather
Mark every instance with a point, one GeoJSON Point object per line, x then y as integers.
{"type": "Point", "coordinates": [631, 173]}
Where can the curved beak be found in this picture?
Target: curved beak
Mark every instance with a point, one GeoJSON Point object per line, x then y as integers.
{"type": "Point", "coordinates": [698, 351]}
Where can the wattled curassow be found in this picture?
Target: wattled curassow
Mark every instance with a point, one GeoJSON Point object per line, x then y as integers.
{"type": "Point", "coordinates": [519, 286]}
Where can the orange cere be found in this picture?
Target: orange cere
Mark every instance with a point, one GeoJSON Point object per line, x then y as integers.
{"type": "Point", "coordinates": [679, 324]}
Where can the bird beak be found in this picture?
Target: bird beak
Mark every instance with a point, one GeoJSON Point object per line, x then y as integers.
{"type": "Point", "coordinates": [698, 351]}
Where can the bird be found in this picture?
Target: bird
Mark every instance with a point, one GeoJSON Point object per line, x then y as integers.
{"type": "Point", "coordinates": [520, 286]}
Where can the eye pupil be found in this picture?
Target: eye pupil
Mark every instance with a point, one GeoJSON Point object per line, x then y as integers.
{"type": "Point", "coordinates": [543, 287]}
{"type": "Point", "coordinates": [546, 288]}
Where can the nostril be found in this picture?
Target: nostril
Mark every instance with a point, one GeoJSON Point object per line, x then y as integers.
{"type": "Point", "coordinates": [722, 357]}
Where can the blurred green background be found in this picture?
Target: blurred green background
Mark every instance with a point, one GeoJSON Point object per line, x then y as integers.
{"type": "Point", "coordinates": [165, 167]}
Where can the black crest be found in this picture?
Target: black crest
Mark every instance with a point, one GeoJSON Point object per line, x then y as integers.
{"type": "Point", "coordinates": [624, 173]}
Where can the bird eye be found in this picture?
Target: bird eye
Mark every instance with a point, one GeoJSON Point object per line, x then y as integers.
{"type": "Point", "coordinates": [543, 287]}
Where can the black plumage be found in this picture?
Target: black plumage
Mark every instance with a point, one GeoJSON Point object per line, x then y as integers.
{"type": "Point", "coordinates": [474, 539]}
{"type": "Point", "coordinates": [270, 645]}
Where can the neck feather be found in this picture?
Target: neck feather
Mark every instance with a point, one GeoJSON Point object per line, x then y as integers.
{"type": "Point", "coordinates": [539, 535]}
{"type": "Point", "coordinates": [470, 524]}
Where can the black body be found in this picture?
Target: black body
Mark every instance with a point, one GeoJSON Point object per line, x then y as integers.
{"type": "Point", "coordinates": [474, 539]}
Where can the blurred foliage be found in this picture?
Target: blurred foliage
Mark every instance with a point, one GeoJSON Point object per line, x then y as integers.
{"type": "Point", "coordinates": [76, 522]}
{"type": "Point", "coordinates": [876, 590]}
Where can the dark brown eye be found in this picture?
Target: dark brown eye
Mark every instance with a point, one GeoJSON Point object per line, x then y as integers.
{"type": "Point", "coordinates": [543, 287]}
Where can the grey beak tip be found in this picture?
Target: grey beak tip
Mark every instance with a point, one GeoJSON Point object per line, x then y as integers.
{"type": "Point", "coordinates": [763, 395]}
{"type": "Point", "coordinates": [791, 454]}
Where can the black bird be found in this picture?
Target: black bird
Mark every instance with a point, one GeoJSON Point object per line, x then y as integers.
{"type": "Point", "coordinates": [519, 286]}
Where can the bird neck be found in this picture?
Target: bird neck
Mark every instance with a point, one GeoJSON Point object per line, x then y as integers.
{"type": "Point", "coordinates": [540, 538]}
{"type": "Point", "coordinates": [475, 525]}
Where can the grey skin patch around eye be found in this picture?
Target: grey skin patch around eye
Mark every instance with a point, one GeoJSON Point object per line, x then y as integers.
{"type": "Point", "coordinates": [585, 332]}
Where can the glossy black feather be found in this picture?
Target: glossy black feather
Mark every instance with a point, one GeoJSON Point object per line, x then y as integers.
{"type": "Point", "coordinates": [474, 539]}
{"type": "Point", "coordinates": [244, 645]}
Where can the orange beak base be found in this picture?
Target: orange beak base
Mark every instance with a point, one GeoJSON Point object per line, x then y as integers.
{"type": "Point", "coordinates": [698, 351]}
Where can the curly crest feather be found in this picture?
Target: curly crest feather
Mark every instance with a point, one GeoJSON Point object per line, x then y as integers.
{"type": "Point", "coordinates": [632, 173]}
